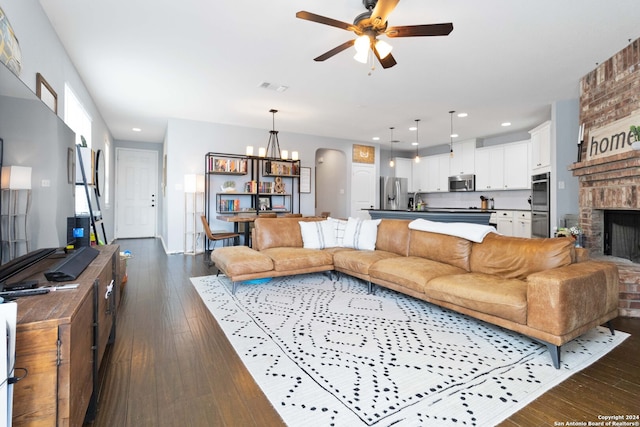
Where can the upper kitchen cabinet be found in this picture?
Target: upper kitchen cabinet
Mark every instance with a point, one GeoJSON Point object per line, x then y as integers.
{"type": "Point", "coordinates": [404, 169]}
{"type": "Point", "coordinates": [541, 148]}
{"type": "Point", "coordinates": [434, 175]}
{"type": "Point", "coordinates": [517, 171]}
{"type": "Point", "coordinates": [503, 167]}
{"type": "Point", "coordinates": [463, 161]}
{"type": "Point", "coordinates": [490, 168]}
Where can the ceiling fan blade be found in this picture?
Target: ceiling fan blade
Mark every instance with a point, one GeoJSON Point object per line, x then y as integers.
{"type": "Point", "coordinates": [335, 51]}
{"type": "Point", "coordinates": [420, 30]}
{"type": "Point", "coordinates": [386, 62]}
{"type": "Point", "coordinates": [381, 11]}
{"type": "Point", "coordinates": [326, 21]}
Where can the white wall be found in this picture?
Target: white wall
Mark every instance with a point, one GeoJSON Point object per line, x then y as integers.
{"type": "Point", "coordinates": [187, 143]}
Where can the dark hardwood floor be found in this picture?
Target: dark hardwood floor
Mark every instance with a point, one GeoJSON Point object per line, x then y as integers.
{"type": "Point", "coordinates": [171, 364]}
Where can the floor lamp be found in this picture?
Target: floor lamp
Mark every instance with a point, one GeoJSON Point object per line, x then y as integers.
{"type": "Point", "coordinates": [16, 202]}
{"type": "Point", "coordinates": [193, 209]}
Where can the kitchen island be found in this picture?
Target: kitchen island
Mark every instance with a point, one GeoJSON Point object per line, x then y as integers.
{"type": "Point", "coordinates": [475, 216]}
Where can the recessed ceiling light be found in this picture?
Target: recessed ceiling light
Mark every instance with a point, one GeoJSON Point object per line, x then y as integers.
{"type": "Point", "coordinates": [413, 128]}
{"type": "Point", "coordinates": [136, 129]}
{"type": "Point", "coordinates": [505, 124]}
{"type": "Point", "coordinates": [462, 114]}
{"type": "Point", "coordinates": [454, 135]}
{"type": "Point", "coordinates": [414, 143]}
{"type": "Point", "coordinates": [376, 138]}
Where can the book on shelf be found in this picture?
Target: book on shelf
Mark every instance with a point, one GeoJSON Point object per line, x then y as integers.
{"type": "Point", "coordinates": [279, 168]}
{"type": "Point", "coordinates": [227, 165]}
{"type": "Point", "coordinates": [229, 205]}
{"type": "Point", "coordinates": [251, 187]}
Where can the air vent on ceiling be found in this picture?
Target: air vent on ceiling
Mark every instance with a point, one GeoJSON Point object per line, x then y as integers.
{"type": "Point", "coordinates": [273, 86]}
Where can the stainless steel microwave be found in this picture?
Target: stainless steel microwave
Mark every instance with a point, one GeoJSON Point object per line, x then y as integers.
{"type": "Point", "coordinates": [462, 183]}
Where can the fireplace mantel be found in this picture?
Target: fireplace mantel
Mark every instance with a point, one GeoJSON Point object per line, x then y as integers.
{"type": "Point", "coordinates": [625, 164]}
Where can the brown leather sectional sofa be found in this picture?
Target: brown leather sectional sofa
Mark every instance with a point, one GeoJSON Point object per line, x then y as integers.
{"type": "Point", "coordinates": [543, 288]}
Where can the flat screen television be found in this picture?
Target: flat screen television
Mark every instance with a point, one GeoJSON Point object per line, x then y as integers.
{"type": "Point", "coordinates": [33, 135]}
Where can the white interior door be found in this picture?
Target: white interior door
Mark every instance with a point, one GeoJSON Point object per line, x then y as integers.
{"type": "Point", "coordinates": [136, 193]}
{"type": "Point", "coordinates": [363, 189]}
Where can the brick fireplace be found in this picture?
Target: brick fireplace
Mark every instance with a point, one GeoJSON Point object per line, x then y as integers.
{"type": "Point", "coordinates": [610, 94]}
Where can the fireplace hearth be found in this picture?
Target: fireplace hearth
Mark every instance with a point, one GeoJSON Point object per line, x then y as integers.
{"type": "Point", "coordinates": [622, 234]}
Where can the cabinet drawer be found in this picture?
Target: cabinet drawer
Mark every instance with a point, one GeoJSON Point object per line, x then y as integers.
{"type": "Point", "coordinates": [504, 215]}
{"type": "Point", "coordinates": [526, 216]}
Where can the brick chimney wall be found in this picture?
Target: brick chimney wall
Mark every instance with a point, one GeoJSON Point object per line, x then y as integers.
{"type": "Point", "coordinates": [609, 93]}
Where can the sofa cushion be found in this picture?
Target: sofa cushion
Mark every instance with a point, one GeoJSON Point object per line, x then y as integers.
{"type": "Point", "coordinates": [239, 260]}
{"type": "Point", "coordinates": [278, 232]}
{"type": "Point", "coordinates": [393, 236]}
{"type": "Point", "coordinates": [361, 233]}
{"type": "Point", "coordinates": [518, 257]}
{"type": "Point", "coordinates": [504, 298]}
{"type": "Point", "coordinates": [317, 234]}
{"type": "Point", "coordinates": [411, 272]}
{"type": "Point", "coordinates": [444, 248]}
{"type": "Point", "coordinates": [290, 259]}
{"type": "Point", "coordinates": [359, 261]}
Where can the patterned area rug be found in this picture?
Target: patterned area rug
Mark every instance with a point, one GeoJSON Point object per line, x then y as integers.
{"type": "Point", "coordinates": [327, 354]}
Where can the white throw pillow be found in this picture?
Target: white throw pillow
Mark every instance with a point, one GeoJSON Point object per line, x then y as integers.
{"type": "Point", "coordinates": [339, 225]}
{"type": "Point", "coordinates": [317, 234]}
{"type": "Point", "coordinates": [361, 233]}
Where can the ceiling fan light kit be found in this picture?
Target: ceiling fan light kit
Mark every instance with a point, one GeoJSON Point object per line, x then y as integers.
{"type": "Point", "coordinates": [371, 24]}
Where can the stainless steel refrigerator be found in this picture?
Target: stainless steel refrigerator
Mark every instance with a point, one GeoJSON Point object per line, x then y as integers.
{"type": "Point", "coordinates": [394, 193]}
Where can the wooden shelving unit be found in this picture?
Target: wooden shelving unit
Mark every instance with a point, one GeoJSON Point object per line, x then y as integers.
{"type": "Point", "coordinates": [260, 185]}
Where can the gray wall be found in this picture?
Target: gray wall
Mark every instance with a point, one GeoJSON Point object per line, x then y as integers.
{"type": "Point", "coordinates": [331, 177]}
{"type": "Point", "coordinates": [188, 141]}
{"type": "Point", "coordinates": [564, 152]}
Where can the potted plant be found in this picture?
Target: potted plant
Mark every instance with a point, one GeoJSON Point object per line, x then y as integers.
{"type": "Point", "coordinates": [635, 131]}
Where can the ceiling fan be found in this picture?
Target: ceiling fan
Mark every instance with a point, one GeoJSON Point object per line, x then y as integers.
{"type": "Point", "coordinates": [369, 25]}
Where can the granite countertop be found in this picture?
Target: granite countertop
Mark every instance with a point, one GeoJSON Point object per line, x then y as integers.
{"type": "Point", "coordinates": [456, 210]}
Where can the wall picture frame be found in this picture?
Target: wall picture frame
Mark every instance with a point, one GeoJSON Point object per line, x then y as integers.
{"type": "Point", "coordinates": [264, 203]}
{"type": "Point", "coordinates": [305, 180]}
{"type": "Point", "coordinates": [45, 92]}
{"type": "Point", "coordinates": [364, 154]}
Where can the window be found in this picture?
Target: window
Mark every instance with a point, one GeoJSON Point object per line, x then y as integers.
{"type": "Point", "coordinates": [77, 118]}
{"type": "Point", "coordinates": [107, 156]}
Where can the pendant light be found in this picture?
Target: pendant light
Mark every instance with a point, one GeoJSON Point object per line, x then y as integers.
{"type": "Point", "coordinates": [417, 158]}
{"type": "Point", "coordinates": [391, 161]}
{"type": "Point", "coordinates": [451, 133]}
{"type": "Point", "coordinates": [273, 145]}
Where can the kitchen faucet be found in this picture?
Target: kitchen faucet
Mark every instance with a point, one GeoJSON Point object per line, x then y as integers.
{"type": "Point", "coordinates": [415, 200]}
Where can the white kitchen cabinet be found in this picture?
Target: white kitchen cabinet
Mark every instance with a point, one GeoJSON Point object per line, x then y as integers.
{"type": "Point", "coordinates": [490, 168]}
{"type": "Point", "coordinates": [463, 161]}
{"type": "Point", "coordinates": [503, 167]}
{"type": "Point", "coordinates": [404, 169]}
{"type": "Point", "coordinates": [522, 224]}
{"type": "Point", "coordinates": [517, 172]}
{"type": "Point", "coordinates": [435, 173]}
{"type": "Point", "coordinates": [505, 222]}
{"type": "Point", "coordinates": [416, 173]}
{"type": "Point", "coordinates": [541, 148]}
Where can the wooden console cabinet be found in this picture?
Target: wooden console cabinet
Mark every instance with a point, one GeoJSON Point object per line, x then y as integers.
{"type": "Point", "coordinates": [60, 340]}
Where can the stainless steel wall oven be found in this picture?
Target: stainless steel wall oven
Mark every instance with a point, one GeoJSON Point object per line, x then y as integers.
{"type": "Point", "coordinates": [540, 201]}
